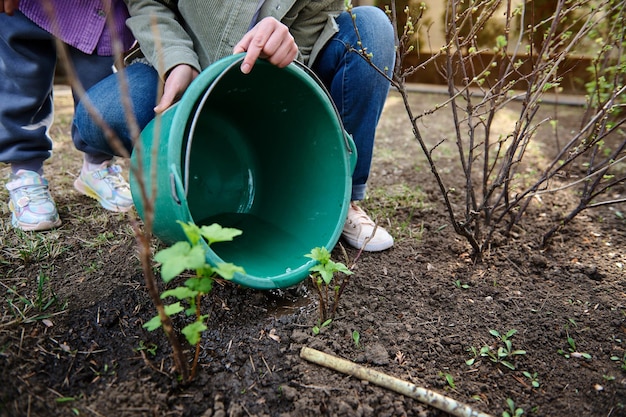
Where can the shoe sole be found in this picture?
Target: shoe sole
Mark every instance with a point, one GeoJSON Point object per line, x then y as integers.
{"type": "Point", "coordinates": [29, 227]}
{"type": "Point", "coordinates": [369, 247]}
{"type": "Point", "coordinates": [84, 189]}
{"type": "Point", "coordinates": [39, 227]}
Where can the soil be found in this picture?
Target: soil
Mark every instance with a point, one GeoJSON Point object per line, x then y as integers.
{"type": "Point", "coordinates": [419, 308]}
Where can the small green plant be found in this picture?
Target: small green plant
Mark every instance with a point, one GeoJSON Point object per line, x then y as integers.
{"type": "Point", "coordinates": [533, 378]}
{"type": "Point", "coordinates": [318, 327]}
{"type": "Point", "coordinates": [449, 379]}
{"type": "Point", "coordinates": [501, 354]}
{"type": "Point", "coordinates": [356, 337]}
{"type": "Point", "coordinates": [191, 255]}
{"type": "Point", "coordinates": [326, 283]}
{"type": "Point", "coordinates": [151, 348]}
{"type": "Point", "coordinates": [512, 411]}
{"type": "Point", "coordinates": [460, 285]}
{"type": "Point", "coordinates": [622, 361]}
{"type": "Point", "coordinates": [572, 351]}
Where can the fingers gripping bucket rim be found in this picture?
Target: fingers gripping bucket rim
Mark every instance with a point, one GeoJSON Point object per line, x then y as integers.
{"type": "Point", "coordinates": [265, 153]}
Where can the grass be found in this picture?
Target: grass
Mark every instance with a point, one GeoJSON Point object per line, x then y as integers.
{"type": "Point", "coordinates": [25, 306]}
{"type": "Point", "coordinates": [385, 202]}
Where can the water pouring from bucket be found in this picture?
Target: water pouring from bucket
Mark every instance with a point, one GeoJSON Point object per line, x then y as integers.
{"type": "Point", "coordinates": [265, 153]}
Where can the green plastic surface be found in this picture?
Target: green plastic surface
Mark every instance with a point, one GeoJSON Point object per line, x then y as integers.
{"type": "Point", "coordinates": [265, 153]}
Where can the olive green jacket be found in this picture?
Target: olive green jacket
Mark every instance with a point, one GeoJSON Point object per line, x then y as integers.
{"type": "Point", "coordinates": [199, 32]}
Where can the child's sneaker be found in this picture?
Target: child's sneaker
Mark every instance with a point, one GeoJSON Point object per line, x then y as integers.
{"type": "Point", "coordinates": [31, 203]}
{"type": "Point", "coordinates": [106, 185]}
{"type": "Point", "coordinates": [361, 232]}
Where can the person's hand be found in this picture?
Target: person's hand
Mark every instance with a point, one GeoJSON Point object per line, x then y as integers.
{"type": "Point", "coordinates": [268, 39]}
{"type": "Point", "coordinates": [176, 83]}
{"type": "Point", "coordinates": [9, 6]}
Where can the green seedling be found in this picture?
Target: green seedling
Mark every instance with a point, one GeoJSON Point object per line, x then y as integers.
{"type": "Point", "coordinates": [106, 371]}
{"type": "Point", "coordinates": [318, 328]}
{"type": "Point", "coordinates": [533, 378]}
{"type": "Point", "coordinates": [622, 361]}
{"type": "Point", "coordinates": [356, 337]}
{"type": "Point", "coordinates": [326, 283]}
{"type": "Point", "coordinates": [501, 354]}
{"type": "Point", "coordinates": [512, 411]}
{"type": "Point", "coordinates": [151, 348]}
{"type": "Point", "coordinates": [572, 351]}
{"type": "Point", "coordinates": [191, 256]}
{"type": "Point", "coordinates": [449, 379]}
{"type": "Point", "coordinates": [460, 285]}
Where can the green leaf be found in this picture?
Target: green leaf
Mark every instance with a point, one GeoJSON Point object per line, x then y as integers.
{"type": "Point", "coordinates": [178, 258]}
{"type": "Point", "coordinates": [172, 309]}
{"type": "Point", "coordinates": [216, 233]}
{"type": "Point", "coordinates": [510, 333]}
{"type": "Point", "coordinates": [153, 324]}
{"type": "Point", "coordinates": [494, 333]}
{"type": "Point", "coordinates": [180, 293]}
{"type": "Point", "coordinates": [191, 231]}
{"type": "Point", "coordinates": [325, 272]}
{"type": "Point", "coordinates": [227, 270]}
{"type": "Point", "coordinates": [450, 381]}
{"type": "Point", "coordinates": [339, 267]}
{"type": "Point", "coordinates": [501, 41]}
{"type": "Point", "coordinates": [203, 285]}
{"type": "Point", "coordinates": [319, 254]}
{"type": "Point", "coordinates": [193, 331]}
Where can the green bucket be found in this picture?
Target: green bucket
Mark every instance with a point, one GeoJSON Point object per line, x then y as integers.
{"type": "Point", "coordinates": [265, 153]}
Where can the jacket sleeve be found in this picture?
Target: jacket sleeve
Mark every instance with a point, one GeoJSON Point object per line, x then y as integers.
{"type": "Point", "coordinates": [163, 39]}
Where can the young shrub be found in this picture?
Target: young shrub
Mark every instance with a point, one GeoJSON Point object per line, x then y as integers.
{"type": "Point", "coordinates": [328, 287]}
{"type": "Point", "coordinates": [183, 256]}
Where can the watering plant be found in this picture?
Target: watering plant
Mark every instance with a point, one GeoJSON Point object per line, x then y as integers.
{"type": "Point", "coordinates": [328, 287]}
{"type": "Point", "coordinates": [191, 255]}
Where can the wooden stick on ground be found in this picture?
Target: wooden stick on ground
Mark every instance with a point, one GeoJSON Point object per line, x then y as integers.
{"type": "Point", "coordinates": [424, 395]}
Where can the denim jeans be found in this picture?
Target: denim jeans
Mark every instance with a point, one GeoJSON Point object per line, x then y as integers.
{"type": "Point", "coordinates": [357, 90]}
{"type": "Point", "coordinates": [27, 65]}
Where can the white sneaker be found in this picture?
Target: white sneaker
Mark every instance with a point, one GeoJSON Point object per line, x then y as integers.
{"type": "Point", "coordinates": [31, 204]}
{"type": "Point", "coordinates": [361, 232]}
{"type": "Point", "coordinates": [107, 186]}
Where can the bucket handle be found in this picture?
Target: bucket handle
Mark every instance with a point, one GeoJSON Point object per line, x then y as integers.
{"type": "Point", "coordinates": [199, 105]}
{"type": "Point", "coordinates": [346, 136]}
{"type": "Point", "coordinates": [176, 186]}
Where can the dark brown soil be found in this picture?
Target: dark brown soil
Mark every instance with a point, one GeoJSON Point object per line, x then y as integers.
{"type": "Point", "coordinates": [419, 308]}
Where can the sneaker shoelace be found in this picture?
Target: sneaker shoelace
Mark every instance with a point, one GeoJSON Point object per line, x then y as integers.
{"type": "Point", "coordinates": [32, 193]}
{"type": "Point", "coordinates": [361, 218]}
{"type": "Point", "coordinates": [112, 177]}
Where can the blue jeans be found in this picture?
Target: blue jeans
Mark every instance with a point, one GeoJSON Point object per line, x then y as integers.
{"type": "Point", "coordinates": [27, 65]}
{"type": "Point", "coordinates": [358, 91]}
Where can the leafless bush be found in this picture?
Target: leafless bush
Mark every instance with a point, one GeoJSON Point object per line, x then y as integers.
{"type": "Point", "coordinates": [591, 161]}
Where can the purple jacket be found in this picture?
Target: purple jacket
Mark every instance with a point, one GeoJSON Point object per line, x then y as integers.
{"type": "Point", "coordinates": [82, 24]}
